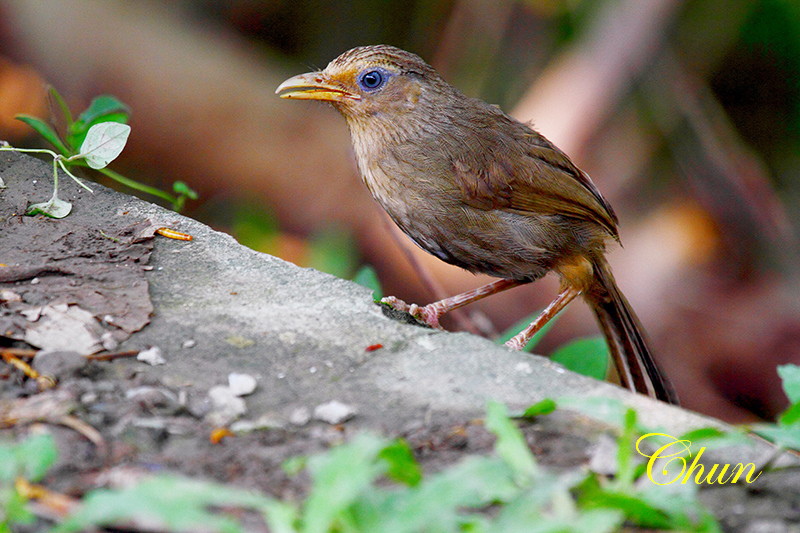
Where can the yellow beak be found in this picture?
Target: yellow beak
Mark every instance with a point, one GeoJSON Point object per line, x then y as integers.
{"type": "Point", "coordinates": [314, 86]}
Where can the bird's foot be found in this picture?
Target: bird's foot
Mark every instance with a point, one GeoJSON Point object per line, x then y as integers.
{"type": "Point", "coordinates": [517, 342]}
{"type": "Point", "coordinates": [428, 314]}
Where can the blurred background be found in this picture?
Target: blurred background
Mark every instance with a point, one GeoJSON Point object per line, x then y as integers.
{"type": "Point", "coordinates": [685, 113]}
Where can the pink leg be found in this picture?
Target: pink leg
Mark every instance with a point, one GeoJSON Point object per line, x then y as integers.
{"type": "Point", "coordinates": [431, 313]}
{"type": "Point", "coordinates": [519, 341]}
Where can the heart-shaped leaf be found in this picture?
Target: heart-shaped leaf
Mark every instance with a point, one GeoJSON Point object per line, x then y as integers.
{"type": "Point", "coordinates": [53, 208]}
{"type": "Point", "coordinates": [104, 142]}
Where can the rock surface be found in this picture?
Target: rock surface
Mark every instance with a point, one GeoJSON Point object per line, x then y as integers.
{"type": "Point", "coordinates": [220, 308]}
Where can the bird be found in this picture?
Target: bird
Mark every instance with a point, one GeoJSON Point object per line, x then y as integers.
{"type": "Point", "coordinates": [483, 191]}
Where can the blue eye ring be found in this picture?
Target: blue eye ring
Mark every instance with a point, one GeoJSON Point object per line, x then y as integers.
{"type": "Point", "coordinates": [372, 79]}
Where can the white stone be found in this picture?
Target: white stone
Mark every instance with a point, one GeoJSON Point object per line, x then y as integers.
{"type": "Point", "coordinates": [152, 356]}
{"type": "Point", "coordinates": [334, 412]}
{"type": "Point", "coordinates": [241, 384]}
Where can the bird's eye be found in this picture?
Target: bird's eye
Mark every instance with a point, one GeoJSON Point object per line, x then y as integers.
{"type": "Point", "coordinates": [371, 80]}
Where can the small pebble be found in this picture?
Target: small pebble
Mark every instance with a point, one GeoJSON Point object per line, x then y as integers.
{"type": "Point", "coordinates": [108, 341]}
{"type": "Point", "coordinates": [241, 384]}
{"type": "Point", "coordinates": [263, 422]}
{"type": "Point", "coordinates": [152, 356]}
{"type": "Point", "coordinates": [10, 296]}
{"type": "Point", "coordinates": [334, 412]}
{"type": "Point", "coordinates": [225, 405]}
{"type": "Point", "coordinates": [189, 343]}
{"type": "Point", "coordinates": [89, 397]}
{"type": "Point", "coordinates": [300, 416]}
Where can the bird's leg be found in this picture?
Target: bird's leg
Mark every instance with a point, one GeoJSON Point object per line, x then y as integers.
{"type": "Point", "coordinates": [519, 341]}
{"type": "Point", "coordinates": [431, 313]}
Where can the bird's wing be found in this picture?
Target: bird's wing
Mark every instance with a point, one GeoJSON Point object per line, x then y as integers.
{"type": "Point", "coordinates": [532, 177]}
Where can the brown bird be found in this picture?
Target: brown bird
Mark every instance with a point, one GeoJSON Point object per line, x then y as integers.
{"type": "Point", "coordinates": [483, 191]}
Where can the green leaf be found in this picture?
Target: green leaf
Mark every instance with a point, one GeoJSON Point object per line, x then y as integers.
{"type": "Point", "coordinates": [636, 509]}
{"type": "Point", "coordinates": [711, 438]}
{"type": "Point", "coordinates": [184, 192]}
{"type": "Point", "coordinates": [104, 142]}
{"type": "Point", "coordinates": [680, 506]}
{"type": "Point", "coordinates": [104, 108]}
{"type": "Point", "coordinates": [436, 503]}
{"type": "Point", "coordinates": [608, 410]}
{"type": "Point", "coordinates": [790, 376]}
{"type": "Point", "coordinates": [626, 467]}
{"type": "Point", "coordinates": [8, 465]}
{"type": "Point", "coordinates": [45, 131]}
{"type": "Point", "coordinates": [14, 509]}
{"type": "Point", "coordinates": [55, 207]}
{"type": "Point", "coordinates": [402, 467]}
{"type": "Point", "coordinates": [62, 105]}
{"type": "Point", "coordinates": [706, 433]}
{"type": "Point", "coordinates": [281, 517]}
{"type": "Point", "coordinates": [545, 407]}
{"type": "Point", "coordinates": [367, 277]}
{"type": "Point", "coordinates": [167, 503]}
{"type": "Point", "coordinates": [36, 455]}
{"type": "Point", "coordinates": [340, 477]}
{"type": "Point", "coordinates": [791, 416]}
{"type": "Point", "coordinates": [511, 445]}
{"type": "Point", "coordinates": [30, 459]}
{"type": "Point", "coordinates": [524, 323]}
{"type": "Point", "coordinates": [782, 436]}
{"type": "Point", "coordinates": [588, 356]}
{"type": "Point", "coordinates": [181, 188]}
{"type": "Point", "coordinates": [535, 515]}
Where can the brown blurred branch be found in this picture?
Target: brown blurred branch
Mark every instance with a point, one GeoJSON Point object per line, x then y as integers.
{"type": "Point", "coordinates": [580, 88]}
{"type": "Point", "coordinates": [728, 178]}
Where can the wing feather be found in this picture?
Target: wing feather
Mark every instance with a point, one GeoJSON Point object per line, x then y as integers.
{"type": "Point", "coordinates": [532, 176]}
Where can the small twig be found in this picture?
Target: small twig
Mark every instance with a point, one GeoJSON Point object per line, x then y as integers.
{"type": "Point", "coordinates": [52, 505]}
{"type": "Point", "coordinates": [84, 429]}
{"type": "Point", "coordinates": [22, 353]}
{"type": "Point", "coordinates": [19, 364]}
{"type": "Point", "coordinates": [42, 381]}
{"type": "Point", "coordinates": [111, 356]}
{"type": "Point", "coordinates": [109, 237]}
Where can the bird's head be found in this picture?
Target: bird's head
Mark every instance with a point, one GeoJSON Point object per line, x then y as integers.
{"type": "Point", "coordinates": [368, 82]}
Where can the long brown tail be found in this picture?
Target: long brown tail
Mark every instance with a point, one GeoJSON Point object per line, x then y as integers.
{"type": "Point", "coordinates": [626, 338]}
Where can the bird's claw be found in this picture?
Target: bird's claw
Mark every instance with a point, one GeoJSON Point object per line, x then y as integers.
{"type": "Point", "coordinates": [427, 314]}
{"type": "Point", "coordinates": [515, 343]}
{"type": "Point", "coordinates": [395, 303]}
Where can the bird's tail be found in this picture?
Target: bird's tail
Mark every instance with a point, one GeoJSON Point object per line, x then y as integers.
{"type": "Point", "coordinates": [626, 338]}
